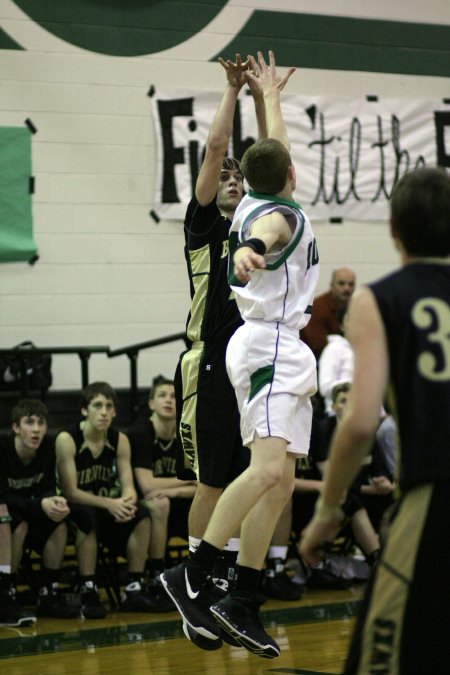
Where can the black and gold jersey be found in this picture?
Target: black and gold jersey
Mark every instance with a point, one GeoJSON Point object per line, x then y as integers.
{"type": "Point", "coordinates": [23, 486]}
{"type": "Point", "coordinates": [414, 304]}
{"type": "Point", "coordinates": [97, 475]}
{"type": "Point", "coordinates": [148, 451]}
{"type": "Point", "coordinates": [213, 316]}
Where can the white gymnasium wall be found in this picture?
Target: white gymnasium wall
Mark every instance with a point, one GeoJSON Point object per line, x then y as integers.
{"type": "Point", "coordinates": [107, 273]}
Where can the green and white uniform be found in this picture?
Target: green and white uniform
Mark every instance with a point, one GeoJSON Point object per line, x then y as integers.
{"type": "Point", "coordinates": [272, 371]}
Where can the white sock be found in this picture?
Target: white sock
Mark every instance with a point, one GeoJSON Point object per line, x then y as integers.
{"type": "Point", "coordinates": [194, 543]}
{"type": "Point", "coordinates": [232, 544]}
{"type": "Point", "coordinates": [5, 569]}
{"type": "Point", "coordinates": [277, 552]}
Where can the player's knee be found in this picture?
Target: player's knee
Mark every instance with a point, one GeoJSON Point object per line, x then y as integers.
{"type": "Point", "coordinates": [159, 508]}
{"type": "Point", "coordinates": [20, 532]}
{"type": "Point", "coordinates": [269, 476]}
{"type": "Point", "coordinates": [59, 534]}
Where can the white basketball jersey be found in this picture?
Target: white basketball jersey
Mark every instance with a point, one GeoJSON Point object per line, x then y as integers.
{"type": "Point", "coordinates": [283, 292]}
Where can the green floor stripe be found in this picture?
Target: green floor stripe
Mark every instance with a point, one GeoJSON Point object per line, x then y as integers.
{"type": "Point", "coordinates": [26, 644]}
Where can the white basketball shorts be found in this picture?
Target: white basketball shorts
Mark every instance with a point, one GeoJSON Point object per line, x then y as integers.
{"type": "Point", "coordinates": [274, 375]}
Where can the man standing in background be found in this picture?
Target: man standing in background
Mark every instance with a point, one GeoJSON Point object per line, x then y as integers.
{"type": "Point", "coordinates": [324, 320]}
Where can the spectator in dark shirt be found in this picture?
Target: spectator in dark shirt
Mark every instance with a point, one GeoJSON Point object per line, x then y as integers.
{"type": "Point", "coordinates": [94, 469]}
{"type": "Point", "coordinates": [38, 514]}
{"type": "Point", "coordinates": [154, 448]}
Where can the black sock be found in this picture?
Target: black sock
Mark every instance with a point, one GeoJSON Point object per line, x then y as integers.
{"type": "Point", "coordinates": [133, 577]}
{"type": "Point", "coordinates": [6, 579]}
{"type": "Point", "coordinates": [200, 564]}
{"type": "Point", "coordinates": [373, 557]}
{"type": "Point", "coordinates": [225, 566]}
{"type": "Point", "coordinates": [155, 567]}
{"type": "Point", "coordinates": [88, 582]}
{"type": "Point", "coordinates": [49, 577]}
{"type": "Point", "coordinates": [248, 583]}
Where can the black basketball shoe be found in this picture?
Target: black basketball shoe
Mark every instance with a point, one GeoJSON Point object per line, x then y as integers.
{"type": "Point", "coordinates": [192, 605]}
{"type": "Point", "coordinates": [240, 618]}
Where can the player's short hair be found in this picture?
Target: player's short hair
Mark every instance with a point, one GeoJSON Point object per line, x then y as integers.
{"type": "Point", "coordinates": [231, 164]}
{"type": "Point", "coordinates": [28, 407]}
{"type": "Point", "coordinates": [265, 166]}
{"type": "Point", "coordinates": [95, 389]}
{"type": "Point", "coordinates": [158, 381]}
{"type": "Point", "coordinates": [420, 212]}
{"type": "Point", "coordinates": [341, 388]}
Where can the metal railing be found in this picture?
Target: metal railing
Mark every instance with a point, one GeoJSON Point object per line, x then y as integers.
{"type": "Point", "coordinates": [132, 351]}
{"type": "Point", "coordinates": [84, 353]}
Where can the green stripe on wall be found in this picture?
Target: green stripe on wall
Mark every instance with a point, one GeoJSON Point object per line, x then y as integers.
{"type": "Point", "coordinates": [6, 42]}
{"type": "Point", "coordinates": [123, 27]}
{"type": "Point", "coordinates": [341, 43]}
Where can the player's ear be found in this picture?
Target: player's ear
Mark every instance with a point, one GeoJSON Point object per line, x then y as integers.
{"type": "Point", "coordinates": [291, 176]}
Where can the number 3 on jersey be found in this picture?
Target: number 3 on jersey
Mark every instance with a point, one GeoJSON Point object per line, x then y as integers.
{"type": "Point", "coordinates": [433, 316]}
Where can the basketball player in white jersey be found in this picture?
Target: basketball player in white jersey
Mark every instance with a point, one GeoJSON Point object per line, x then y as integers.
{"type": "Point", "coordinates": [274, 278]}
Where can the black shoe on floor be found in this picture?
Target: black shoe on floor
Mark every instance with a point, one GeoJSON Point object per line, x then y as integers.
{"type": "Point", "coordinates": [90, 605]}
{"type": "Point", "coordinates": [278, 585]}
{"type": "Point", "coordinates": [192, 605]}
{"type": "Point", "coordinates": [51, 604]}
{"type": "Point", "coordinates": [136, 600]}
{"type": "Point", "coordinates": [324, 578]}
{"type": "Point", "coordinates": [240, 619]}
{"type": "Point", "coordinates": [10, 612]}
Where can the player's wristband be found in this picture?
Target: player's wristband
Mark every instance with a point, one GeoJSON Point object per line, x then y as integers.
{"type": "Point", "coordinates": [257, 245]}
{"type": "Point", "coordinates": [326, 514]}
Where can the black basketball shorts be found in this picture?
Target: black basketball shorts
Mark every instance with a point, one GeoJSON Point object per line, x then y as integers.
{"type": "Point", "coordinates": [208, 417]}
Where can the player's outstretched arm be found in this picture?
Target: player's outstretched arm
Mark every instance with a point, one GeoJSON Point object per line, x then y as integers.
{"type": "Point", "coordinates": [267, 79]}
{"type": "Point", "coordinates": [220, 131]}
{"type": "Point", "coordinates": [265, 233]}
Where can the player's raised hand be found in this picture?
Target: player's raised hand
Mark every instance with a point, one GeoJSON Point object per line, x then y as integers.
{"type": "Point", "coordinates": [236, 71]}
{"type": "Point", "coordinates": [266, 76]}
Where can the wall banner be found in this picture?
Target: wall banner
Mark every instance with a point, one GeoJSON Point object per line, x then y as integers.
{"type": "Point", "coordinates": [16, 222]}
{"type": "Point", "coordinates": [348, 154]}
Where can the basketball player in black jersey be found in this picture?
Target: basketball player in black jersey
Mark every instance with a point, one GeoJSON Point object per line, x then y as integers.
{"type": "Point", "coordinates": [154, 447]}
{"type": "Point", "coordinates": [207, 411]}
{"type": "Point", "coordinates": [37, 514]}
{"type": "Point", "coordinates": [11, 614]}
{"type": "Point", "coordinates": [93, 462]}
{"type": "Point", "coordinates": [400, 331]}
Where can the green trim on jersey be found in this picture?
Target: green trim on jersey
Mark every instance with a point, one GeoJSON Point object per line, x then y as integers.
{"type": "Point", "coordinates": [200, 261]}
{"type": "Point", "coordinates": [259, 379]}
{"type": "Point", "coordinates": [286, 252]}
{"type": "Point", "coordinates": [274, 198]}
